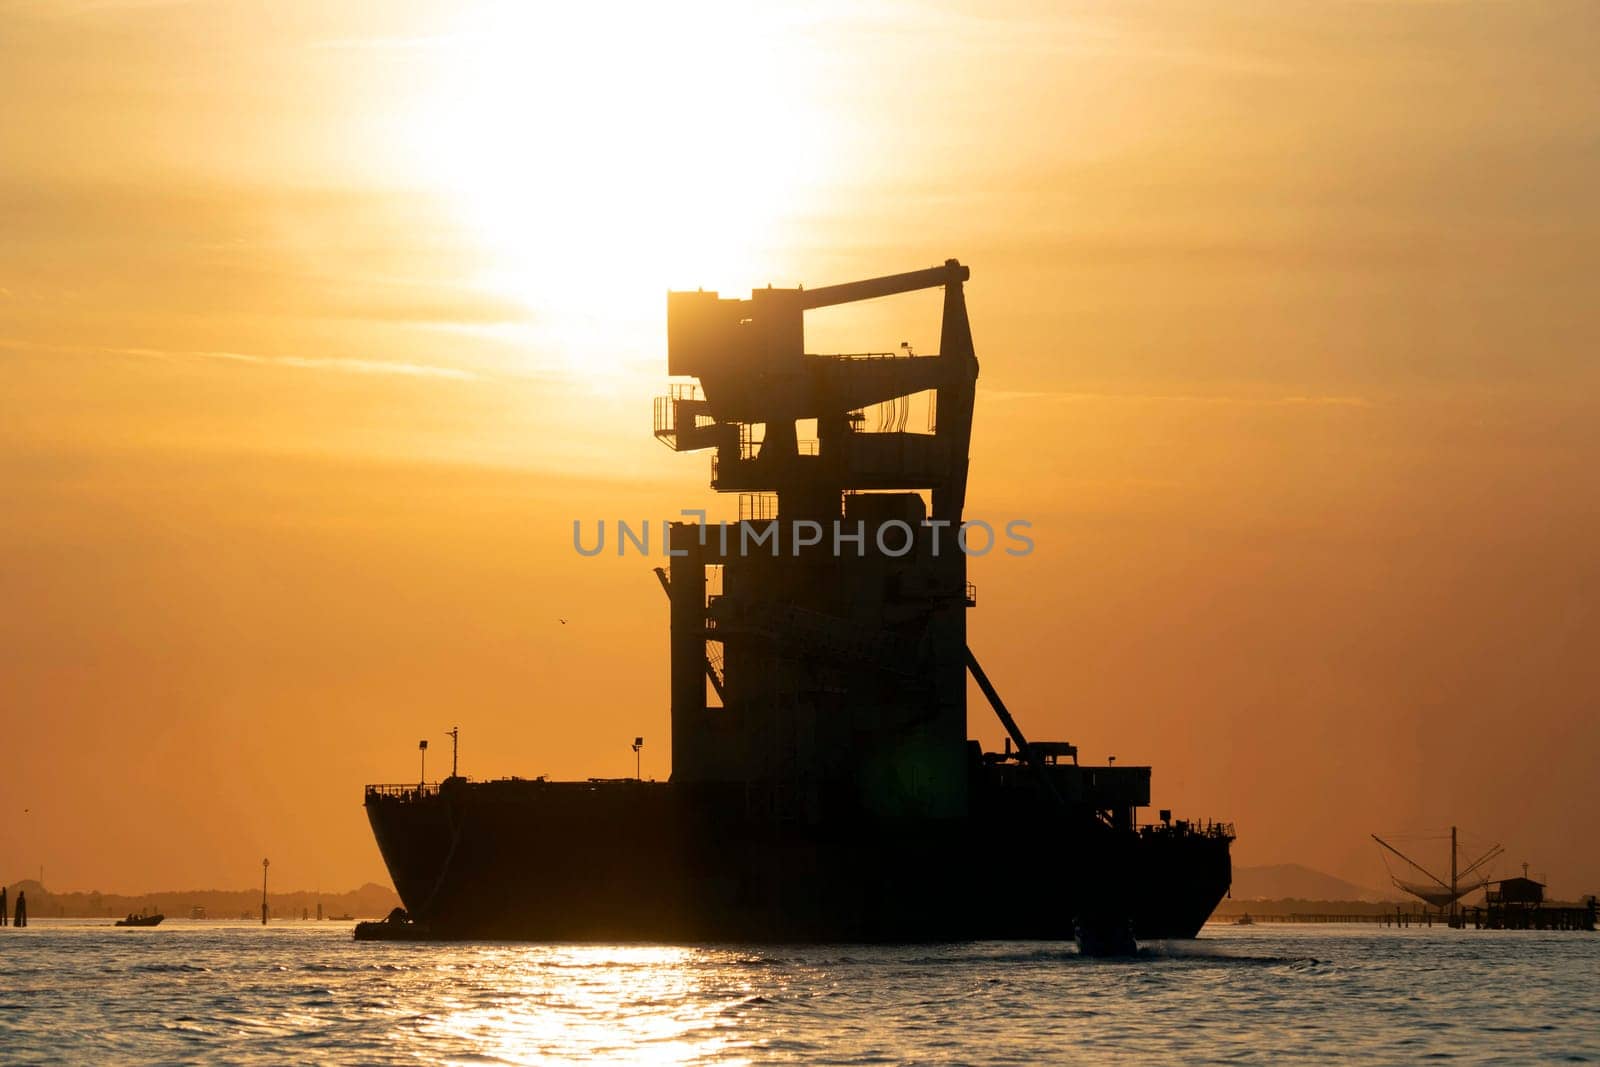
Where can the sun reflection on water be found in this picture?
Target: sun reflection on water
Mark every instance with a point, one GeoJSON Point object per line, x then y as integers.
{"type": "Point", "coordinates": [642, 1004]}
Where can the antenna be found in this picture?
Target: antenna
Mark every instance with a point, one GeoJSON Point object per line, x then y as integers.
{"type": "Point", "coordinates": [455, 747]}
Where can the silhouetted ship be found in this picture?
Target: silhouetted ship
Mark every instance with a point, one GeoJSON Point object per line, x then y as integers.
{"type": "Point", "coordinates": [822, 786]}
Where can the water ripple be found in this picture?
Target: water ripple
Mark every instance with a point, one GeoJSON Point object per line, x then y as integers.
{"type": "Point", "coordinates": [206, 991]}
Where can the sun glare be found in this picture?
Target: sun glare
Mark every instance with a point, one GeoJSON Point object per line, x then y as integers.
{"type": "Point", "coordinates": [604, 153]}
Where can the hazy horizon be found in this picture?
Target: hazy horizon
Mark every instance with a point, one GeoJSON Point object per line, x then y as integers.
{"type": "Point", "coordinates": [321, 322]}
{"type": "Point", "coordinates": [1248, 882]}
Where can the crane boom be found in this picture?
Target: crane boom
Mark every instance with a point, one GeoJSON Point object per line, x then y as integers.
{"type": "Point", "coordinates": [1493, 853]}
{"type": "Point", "coordinates": [1442, 884]}
{"type": "Point", "coordinates": [889, 285]}
{"type": "Point", "coordinates": [1026, 751]}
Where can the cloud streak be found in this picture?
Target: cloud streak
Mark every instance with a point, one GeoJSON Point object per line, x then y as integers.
{"type": "Point", "coordinates": [1061, 397]}
{"type": "Point", "coordinates": [322, 363]}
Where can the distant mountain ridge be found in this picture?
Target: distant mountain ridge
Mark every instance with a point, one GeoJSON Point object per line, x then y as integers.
{"type": "Point", "coordinates": [1279, 881]}
{"type": "Point", "coordinates": [1283, 881]}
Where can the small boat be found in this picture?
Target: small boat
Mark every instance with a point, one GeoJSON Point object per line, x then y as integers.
{"type": "Point", "coordinates": [342, 918]}
{"type": "Point", "coordinates": [1244, 920]}
{"type": "Point", "coordinates": [141, 920]}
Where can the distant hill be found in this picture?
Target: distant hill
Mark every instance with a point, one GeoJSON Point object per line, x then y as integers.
{"type": "Point", "coordinates": [1282, 881]}
{"type": "Point", "coordinates": [371, 901]}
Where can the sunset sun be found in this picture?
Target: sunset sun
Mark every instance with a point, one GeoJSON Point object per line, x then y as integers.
{"type": "Point", "coordinates": [600, 153]}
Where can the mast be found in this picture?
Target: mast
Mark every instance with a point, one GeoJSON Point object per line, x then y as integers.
{"type": "Point", "coordinates": [1453, 887]}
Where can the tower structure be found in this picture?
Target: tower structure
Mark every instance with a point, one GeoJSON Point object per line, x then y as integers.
{"type": "Point", "coordinates": [818, 644]}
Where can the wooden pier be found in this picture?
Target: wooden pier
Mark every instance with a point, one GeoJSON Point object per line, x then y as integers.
{"type": "Point", "coordinates": [1542, 916]}
{"type": "Point", "coordinates": [1492, 915]}
{"type": "Point", "coordinates": [1394, 918]}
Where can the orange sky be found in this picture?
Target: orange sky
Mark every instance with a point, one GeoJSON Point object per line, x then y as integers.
{"type": "Point", "coordinates": [320, 323]}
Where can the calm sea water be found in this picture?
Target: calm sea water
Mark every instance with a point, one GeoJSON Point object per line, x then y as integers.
{"type": "Point", "coordinates": [306, 993]}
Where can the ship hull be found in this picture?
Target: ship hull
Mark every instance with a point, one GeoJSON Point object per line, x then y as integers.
{"type": "Point", "coordinates": [646, 861]}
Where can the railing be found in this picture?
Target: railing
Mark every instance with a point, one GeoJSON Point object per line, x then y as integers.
{"type": "Point", "coordinates": [758, 507]}
{"type": "Point", "coordinates": [906, 354]}
{"type": "Point", "coordinates": [664, 419]}
{"type": "Point", "coordinates": [749, 443]}
{"type": "Point", "coordinates": [664, 414]}
{"type": "Point", "coordinates": [1192, 827]}
{"type": "Point", "coordinates": [972, 595]}
{"type": "Point", "coordinates": [416, 791]}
